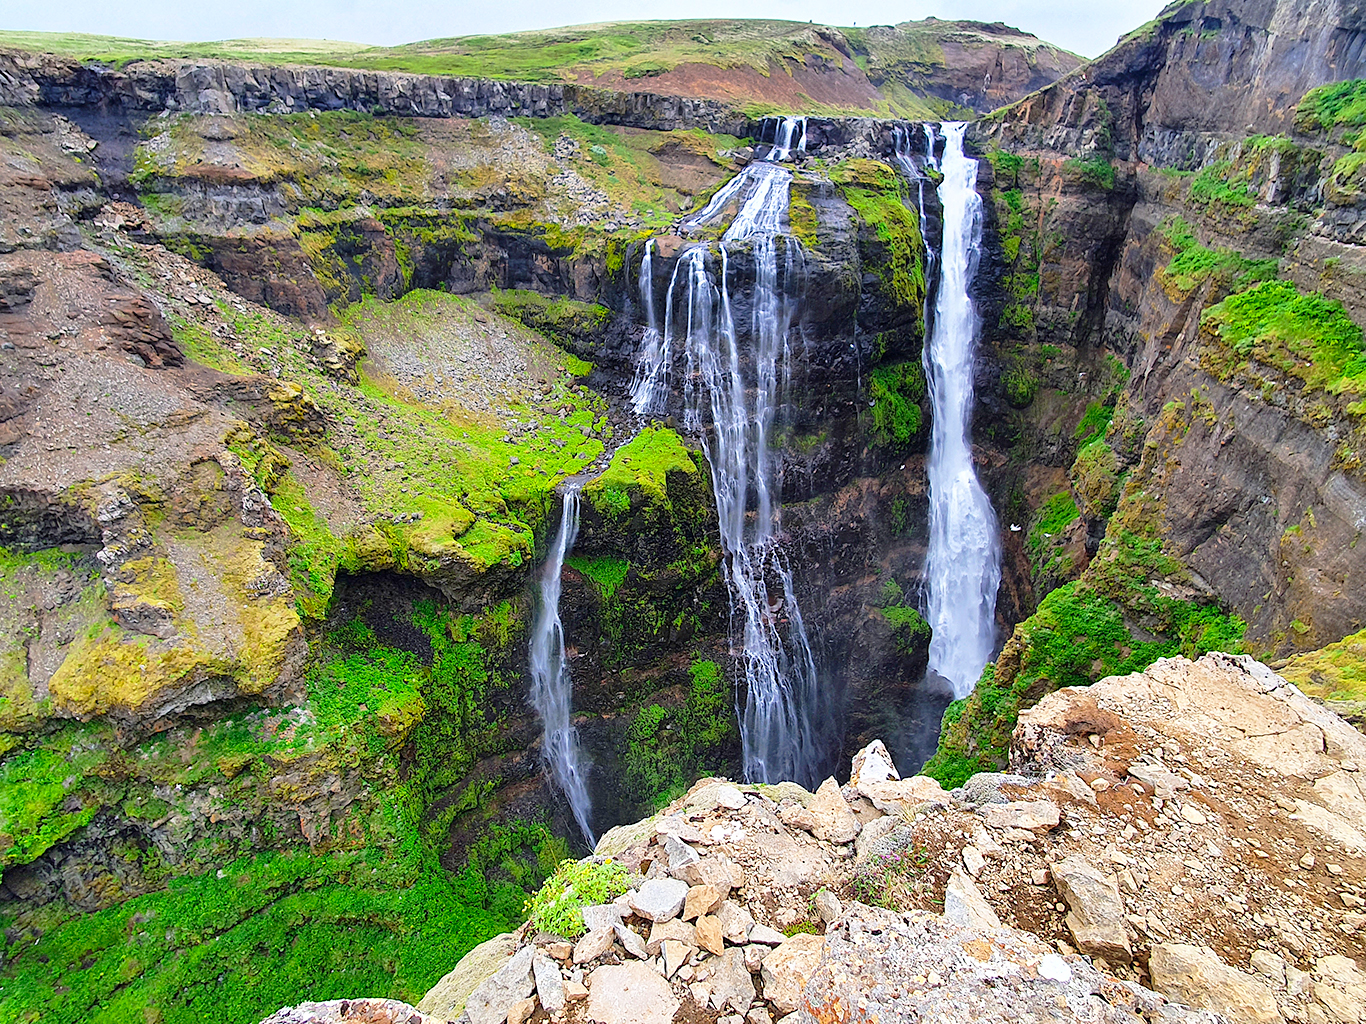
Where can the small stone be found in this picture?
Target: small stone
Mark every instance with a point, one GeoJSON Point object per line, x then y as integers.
{"type": "Point", "coordinates": [835, 822]}
{"type": "Point", "coordinates": [1193, 814]}
{"type": "Point", "coordinates": [660, 899]}
{"type": "Point", "coordinates": [681, 855]}
{"type": "Point", "coordinates": [675, 929]}
{"type": "Point", "coordinates": [973, 861]}
{"type": "Point", "coordinates": [709, 935]}
{"type": "Point", "coordinates": [521, 1011]}
{"type": "Point", "coordinates": [754, 957]}
{"type": "Point", "coordinates": [1096, 919]}
{"type": "Point", "coordinates": [759, 1015]}
{"type": "Point", "coordinates": [631, 942]}
{"type": "Point", "coordinates": [549, 984]}
{"type": "Point", "coordinates": [604, 915]}
{"type": "Point", "coordinates": [1307, 861]}
{"type": "Point", "coordinates": [1039, 876]}
{"type": "Point", "coordinates": [701, 993]}
{"type": "Point", "coordinates": [964, 904]}
{"type": "Point", "coordinates": [731, 982]}
{"type": "Point", "coordinates": [560, 950]}
{"type": "Point", "coordinates": [715, 794]}
{"type": "Point", "coordinates": [735, 922]}
{"type": "Point", "coordinates": [574, 991]}
{"type": "Point", "coordinates": [828, 906]}
{"type": "Point", "coordinates": [675, 956]}
{"type": "Point", "coordinates": [1335, 869]}
{"type": "Point", "coordinates": [593, 945]}
{"type": "Point", "coordinates": [765, 935]}
{"type": "Point", "coordinates": [701, 899]}
{"type": "Point", "coordinates": [1025, 815]}
{"type": "Point", "coordinates": [1100, 785]}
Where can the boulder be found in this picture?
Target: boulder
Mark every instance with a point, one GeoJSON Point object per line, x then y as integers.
{"type": "Point", "coordinates": [718, 871]}
{"type": "Point", "coordinates": [766, 936]}
{"type": "Point", "coordinates": [681, 855]}
{"type": "Point", "coordinates": [1022, 814]}
{"type": "Point", "coordinates": [731, 984]}
{"type": "Point", "coordinates": [899, 796]}
{"type": "Point", "coordinates": [631, 942]}
{"type": "Point", "coordinates": [872, 764]}
{"type": "Point", "coordinates": [631, 993]}
{"type": "Point", "coordinates": [964, 904]}
{"type": "Point", "coordinates": [446, 999]}
{"type": "Point", "coordinates": [521, 1011]}
{"type": "Point", "coordinates": [660, 899]}
{"type": "Point", "coordinates": [828, 906]}
{"type": "Point", "coordinates": [603, 915]}
{"type": "Point", "coordinates": [1195, 975]}
{"type": "Point", "coordinates": [495, 996]}
{"type": "Point", "coordinates": [701, 899]}
{"type": "Point", "coordinates": [1096, 915]}
{"type": "Point", "coordinates": [709, 935]}
{"type": "Point", "coordinates": [549, 984]}
{"type": "Point", "coordinates": [835, 822]}
{"type": "Point", "coordinates": [593, 945]}
{"type": "Point", "coordinates": [787, 969]}
{"type": "Point", "coordinates": [675, 955]}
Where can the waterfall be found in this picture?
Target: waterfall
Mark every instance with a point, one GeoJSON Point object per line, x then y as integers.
{"type": "Point", "coordinates": [551, 685]}
{"type": "Point", "coordinates": [730, 400]}
{"type": "Point", "coordinates": [963, 569]}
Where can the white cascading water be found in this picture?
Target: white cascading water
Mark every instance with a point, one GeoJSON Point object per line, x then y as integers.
{"type": "Point", "coordinates": [778, 722]}
{"type": "Point", "coordinates": [552, 686]}
{"type": "Point", "coordinates": [963, 568]}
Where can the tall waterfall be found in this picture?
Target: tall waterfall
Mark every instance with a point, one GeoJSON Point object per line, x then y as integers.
{"type": "Point", "coordinates": [551, 685]}
{"type": "Point", "coordinates": [963, 569]}
{"type": "Point", "coordinates": [730, 399]}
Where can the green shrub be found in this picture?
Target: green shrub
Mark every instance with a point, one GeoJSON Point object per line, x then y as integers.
{"type": "Point", "coordinates": [1338, 103]}
{"type": "Point", "coordinates": [1096, 170]}
{"type": "Point", "coordinates": [558, 907]}
{"type": "Point", "coordinates": [896, 391]}
{"type": "Point", "coordinates": [1021, 386]}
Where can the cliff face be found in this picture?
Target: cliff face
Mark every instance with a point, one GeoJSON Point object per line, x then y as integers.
{"type": "Point", "coordinates": [1192, 278]}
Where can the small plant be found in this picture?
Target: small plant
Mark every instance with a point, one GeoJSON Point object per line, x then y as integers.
{"type": "Point", "coordinates": [1021, 387]}
{"type": "Point", "coordinates": [558, 907]}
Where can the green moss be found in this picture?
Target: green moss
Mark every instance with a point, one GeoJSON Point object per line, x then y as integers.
{"type": "Point", "coordinates": [1096, 170]}
{"type": "Point", "coordinates": [1094, 421]}
{"type": "Point", "coordinates": [909, 630]}
{"type": "Point", "coordinates": [564, 321]}
{"type": "Point", "coordinates": [1194, 264]}
{"type": "Point", "coordinates": [1096, 479]}
{"type": "Point", "coordinates": [1337, 672]}
{"type": "Point", "coordinates": [668, 747]}
{"type": "Point", "coordinates": [801, 217]}
{"type": "Point", "coordinates": [1021, 385]}
{"type": "Point", "coordinates": [1221, 183]}
{"type": "Point", "coordinates": [896, 391]}
{"type": "Point", "coordinates": [1327, 106]}
{"type": "Point", "coordinates": [606, 572]}
{"type": "Point", "coordinates": [878, 194]}
{"type": "Point", "coordinates": [1307, 336]}
{"type": "Point", "coordinates": [639, 471]}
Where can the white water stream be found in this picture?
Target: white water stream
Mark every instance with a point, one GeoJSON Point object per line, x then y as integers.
{"type": "Point", "coordinates": [730, 399]}
{"type": "Point", "coordinates": [963, 568]}
{"type": "Point", "coordinates": [552, 687]}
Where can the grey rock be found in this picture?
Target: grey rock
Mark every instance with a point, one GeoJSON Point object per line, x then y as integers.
{"type": "Point", "coordinates": [731, 984]}
{"type": "Point", "coordinates": [765, 935]}
{"type": "Point", "coordinates": [985, 788]}
{"type": "Point", "coordinates": [828, 906]}
{"type": "Point", "coordinates": [604, 915]}
{"type": "Point", "coordinates": [593, 945]}
{"type": "Point", "coordinates": [735, 922]}
{"type": "Point", "coordinates": [1022, 814]}
{"type": "Point", "coordinates": [631, 942]}
{"type": "Point", "coordinates": [965, 905]}
{"type": "Point", "coordinates": [549, 983]}
{"type": "Point", "coordinates": [660, 899]}
{"type": "Point", "coordinates": [716, 794]}
{"type": "Point", "coordinates": [493, 997]}
{"type": "Point", "coordinates": [1096, 915]}
{"type": "Point", "coordinates": [681, 855]}
{"type": "Point", "coordinates": [835, 822]}
{"type": "Point", "coordinates": [631, 993]}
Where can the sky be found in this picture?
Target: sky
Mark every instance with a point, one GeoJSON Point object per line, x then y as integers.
{"type": "Point", "coordinates": [1083, 26]}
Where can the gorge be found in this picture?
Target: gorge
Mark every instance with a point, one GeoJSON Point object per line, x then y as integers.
{"type": "Point", "coordinates": [415, 471]}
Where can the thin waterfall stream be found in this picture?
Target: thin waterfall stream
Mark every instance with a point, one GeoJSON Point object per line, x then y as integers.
{"type": "Point", "coordinates": [552, 686]}
{"type": "Point", "coordinates": [730, 399]}
{"type": "Point", "coordinates": [963, 567]}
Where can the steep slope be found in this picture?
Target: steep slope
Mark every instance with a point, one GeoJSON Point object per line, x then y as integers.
{"type": "Point", "coordinates": [1178, 382]}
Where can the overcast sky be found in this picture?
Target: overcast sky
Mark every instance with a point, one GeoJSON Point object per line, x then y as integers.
{"type": "Point", "coordinates": [1085, 26]}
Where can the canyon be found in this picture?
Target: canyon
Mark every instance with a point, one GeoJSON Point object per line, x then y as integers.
{"type": "Point", "coordinates": [413, 473]}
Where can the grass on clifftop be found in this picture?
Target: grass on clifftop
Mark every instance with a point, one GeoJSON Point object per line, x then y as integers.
{"type": "Point", "coordinates": [1337, 672]}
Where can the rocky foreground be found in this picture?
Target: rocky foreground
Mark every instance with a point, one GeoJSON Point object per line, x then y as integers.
{"type": "Point", "coordinates": [1186, 843]}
